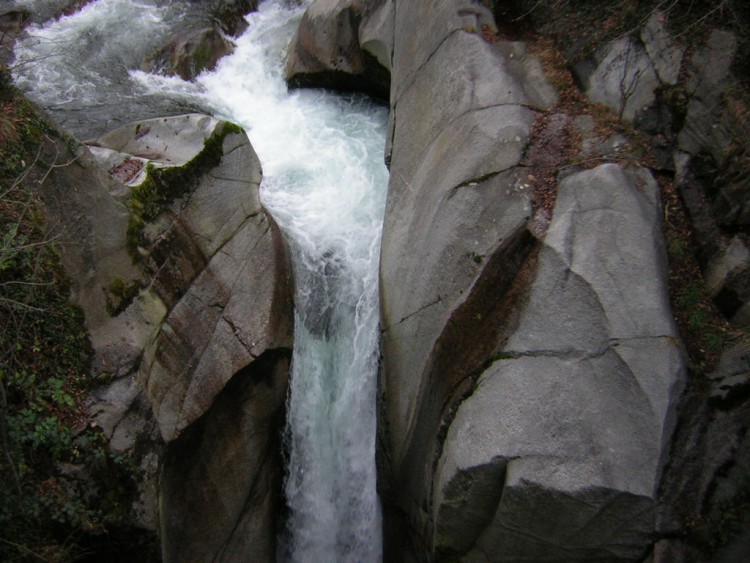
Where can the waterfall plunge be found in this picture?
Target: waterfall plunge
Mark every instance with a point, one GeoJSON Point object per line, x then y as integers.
{"type": "Point", "coordinates": [325, 184]}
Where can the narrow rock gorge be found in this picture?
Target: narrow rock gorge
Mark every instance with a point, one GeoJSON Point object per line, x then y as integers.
{"type": "Point", "coordinates": [563, 360]}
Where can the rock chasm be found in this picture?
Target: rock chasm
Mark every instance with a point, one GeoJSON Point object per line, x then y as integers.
{"type": "Point", "coordinates": [538, 398]}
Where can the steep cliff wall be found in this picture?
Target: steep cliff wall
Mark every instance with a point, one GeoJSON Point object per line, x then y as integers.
{"type": "Point", "coordinates": [184, 282]}
{"type": "Point", "coordinates": [503, 351]}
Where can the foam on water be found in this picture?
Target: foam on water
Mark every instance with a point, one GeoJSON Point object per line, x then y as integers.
{"type": "Point", "coordinates": [84, 58]}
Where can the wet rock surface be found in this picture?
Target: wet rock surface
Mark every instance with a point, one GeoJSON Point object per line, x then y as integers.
{"type": "Point", "coordinates": [326, 52]}
{"type": "Point", "coordinates": [189, 54]}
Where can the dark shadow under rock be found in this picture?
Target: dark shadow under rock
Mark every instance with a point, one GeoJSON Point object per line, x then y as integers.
{"type": "Point", "coordinates": [221, 479]}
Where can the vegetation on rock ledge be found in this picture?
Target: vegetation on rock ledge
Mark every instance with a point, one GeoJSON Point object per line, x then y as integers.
{"type": "Point", "coordinates": [64, 493]}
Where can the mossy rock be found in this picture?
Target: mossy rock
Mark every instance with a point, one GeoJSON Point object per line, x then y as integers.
{"type": "Point", "coordinates": [120, 294]}
{"type": "Point", "coordinates": [163, 185]}
{"type": "Point", "coordinates": [188, 55]}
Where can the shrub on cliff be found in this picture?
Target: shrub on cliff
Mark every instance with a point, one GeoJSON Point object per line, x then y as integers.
{"type": "Point", "coordinates": [63, 491]}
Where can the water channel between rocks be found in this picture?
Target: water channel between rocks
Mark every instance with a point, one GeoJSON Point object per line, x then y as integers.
{"type": "Point", "coordinates": [325, 184]}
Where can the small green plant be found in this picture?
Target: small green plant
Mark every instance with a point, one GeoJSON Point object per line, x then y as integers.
{"type": "Point", "coordinates": [120, 294]}
{"type": "Point", "coordinates": [61, 485]}
{"type": "Point", "coordinates": [691, 296]}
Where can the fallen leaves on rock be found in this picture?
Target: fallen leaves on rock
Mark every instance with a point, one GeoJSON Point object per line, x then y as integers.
{"type": "Point", "coordinates": [127, 170]}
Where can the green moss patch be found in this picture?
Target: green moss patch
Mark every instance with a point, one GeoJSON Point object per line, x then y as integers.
{"type": "Point", "coordinates": [119, 294]}
{"type": "Point", "coordinates": [164, 185]}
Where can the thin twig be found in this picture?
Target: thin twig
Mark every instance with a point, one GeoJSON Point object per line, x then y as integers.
{"type": "Point", "coordinates": [534, 7]}
{"type": "Point", "coordinates": [24, 549]}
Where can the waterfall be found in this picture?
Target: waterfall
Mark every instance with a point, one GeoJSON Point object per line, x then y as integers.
{"type": "Point", "coordinates": [325, 184]}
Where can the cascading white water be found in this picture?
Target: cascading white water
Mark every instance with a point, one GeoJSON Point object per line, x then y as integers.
{"type": "Point", "coordinates": [325, 184]}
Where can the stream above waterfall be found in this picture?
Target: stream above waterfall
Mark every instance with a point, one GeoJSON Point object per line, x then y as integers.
{"type": "Point", "coordinates": [324, 182]}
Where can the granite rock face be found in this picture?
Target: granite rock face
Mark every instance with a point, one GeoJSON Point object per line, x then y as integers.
{"type": "Point", "coordinates": [573, 417]}
{"type": "Point", "coordinates": [625, 74]}
{"type": "Point", "coordinates": [692, 108]}
{"type": "Point", "coordinates": [186, 290]}
{"type": "Point", "coordinates": [491, 335]}
{"type": "Point", "coordinates": [213, 263]}
{"type": "Point", "coordinates": [221, 479]}
{"type": "Point", "coordinates": [326, 51]}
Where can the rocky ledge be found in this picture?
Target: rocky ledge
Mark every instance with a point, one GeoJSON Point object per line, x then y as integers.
{"type": "Point", "coordinates": [184, 281]}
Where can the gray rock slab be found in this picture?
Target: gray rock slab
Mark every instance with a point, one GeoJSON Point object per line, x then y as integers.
{"type": "Point", "coordinates": [327, 40]}
{"type": "Point", "coordinates": [418, 34]}
{"type": "Point", "coordinates": [580, 405]}
{"type": "Point", "coordinates": [607, 232]}
{"type": "Point", "coordinates": [473, 75]}
{"type": "Point", "coordinates": [167, 141]}
{"type": "Point", "coordinates": [326, 50]}
{"type": "Point", "coordinates": [226, 197]}
{"type": "Point", "coordinates": [213, 311]}
{"type": "Point", "coordinates": [455, 217]}
{"type": "Point", "coordinates": [665, 54]}
{"type": "Point", "coordinates": [623, 78]}
{"type": "Point", "coordinates": [441, 227]}
{"type": "Point", "coordinates": [376, 30]}
{"type": "Point", "coordinates": [226, 319]}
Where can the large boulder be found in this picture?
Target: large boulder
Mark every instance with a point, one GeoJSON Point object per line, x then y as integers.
{"type": "Point", "coordinates": [184, 281]}
{"type": "Point", "coordinates": [625, 74]}
{"type": "Point", "coordinates": [455, 228]}
{"type": "Point", "coordinates": [210, 255]}
{"type": "Point", "coordinates": [190, 53]}
{"type": "Point", "coordinates": [326, 51]}
{"type": "Point", "coordinates": [231, 14]}
{"type": "Point", "coordinates": [560, 447]}
{"type": "Point", "coordinates": [623, 77]}
{"type": "Point", "coordinates": [463, 273]}
{"type": "Point", "coordinates": [197, 47]}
